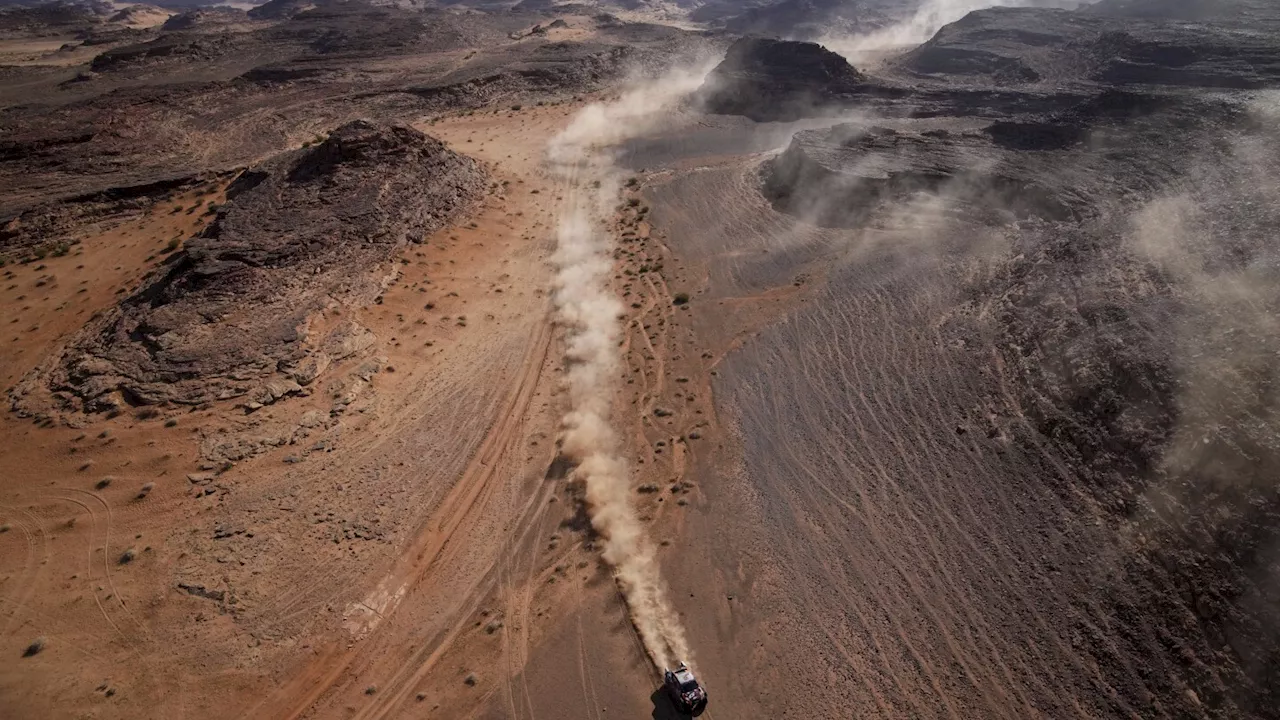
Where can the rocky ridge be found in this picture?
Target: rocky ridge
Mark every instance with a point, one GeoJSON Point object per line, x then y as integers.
{"type": "Point", "coordinates": [1120, 154]}
{"type": "Point", "coordinates": [232, 313]}
{"type": "Point", "coordinates": [778, 80]}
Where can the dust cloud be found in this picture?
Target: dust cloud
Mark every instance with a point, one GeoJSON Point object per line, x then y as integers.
{"type": "Point", "coordinates": [1212, 240]}
{"type": "Point", "coordinates": [584, 156]}
{"type": "Point", "coordinates": [921, 24]}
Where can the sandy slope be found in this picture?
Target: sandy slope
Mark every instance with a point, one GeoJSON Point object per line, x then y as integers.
{"type": "Point", "coordinates": [266, 588]}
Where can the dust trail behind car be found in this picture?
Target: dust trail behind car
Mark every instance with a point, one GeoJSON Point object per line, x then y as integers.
{"type": "Point", "coordinates": [583, 156]}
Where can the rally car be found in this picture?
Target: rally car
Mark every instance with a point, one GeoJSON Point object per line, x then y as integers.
{"type": "Point", "coordinates": [685, 692]}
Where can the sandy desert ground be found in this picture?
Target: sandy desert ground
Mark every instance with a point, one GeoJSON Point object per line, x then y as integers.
{"type": "Point", "coordinates": [838, 427]}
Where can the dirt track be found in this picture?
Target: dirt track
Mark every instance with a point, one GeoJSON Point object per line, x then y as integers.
{"type": "Point", "coordinates": [367, 567]}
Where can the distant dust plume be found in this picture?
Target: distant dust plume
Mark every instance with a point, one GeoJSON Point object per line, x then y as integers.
{"type": "Point", "coordinates": [584, 155]}
{"type": "Point", "coordinates": [923, 22]}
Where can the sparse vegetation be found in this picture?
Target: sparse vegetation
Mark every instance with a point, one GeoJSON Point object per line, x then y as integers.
{"type": "Point", "coordinates": [104, 483]}
{"type": "Point", "coordinates": [680, 299]}
{"type": "Point", "coordinates": [146, 490]}
{"type": "Point", "coordinates": [35, 647]}
{"type": "Point", "coordinates": [127, 557]}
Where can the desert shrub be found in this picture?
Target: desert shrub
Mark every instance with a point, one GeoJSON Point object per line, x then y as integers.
{"type": "Point", "coordinates": [35, 647]}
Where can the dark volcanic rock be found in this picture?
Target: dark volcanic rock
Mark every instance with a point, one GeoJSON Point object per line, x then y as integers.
{"type": "Point", "coordinates": [229, 316]}
{"type": "Point", "coordinates": [1196, 56]}
{"type": "Point", "coordinates": [1017, 46]}
{"type": "Point", "coordinates": [1068, 165]}
{"type": "Point", "coordinates": [51, 17]}
{"type": "Point", "coordinates": [779, 80]}
{"type": "Point", "coordinates": [362, 28]}
{"type": "Point", "coordinates": [279, 9]}
{"type": "Point", "coordinates": [204, 18]}
{"type": "Point", "coordinates": [1006, 47]}
{"type": "Point", "coordinates": [843, 175]}
{"type": "Point", "coordinates": [812, 19]}
{"type": "Point", "coordinates": [110, 35]}
{"type": "Point", "coordinates": [175, 46]}
{"type": "Point", "coordinates": [1144, 345]}
{"type": "Point", "coordinates": [551, 67]}
{"type": "Point", "coordinates": [1239, 11]}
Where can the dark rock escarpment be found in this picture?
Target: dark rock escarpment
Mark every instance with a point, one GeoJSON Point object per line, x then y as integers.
{"type": "Point", "coordinates": [204, 18]}
{"type": "Point", "coordinates": [779, 80]}
{"type": "Point", "coordinates": [232, 315]}
{"type": "Point", "coordinates": [1069, 166]}
{"type": "Point", "coordinates": [1017, 46]}
{"type": "Point", "coordinates": [843, 175]}
{"type": "Point", "coordinates": [1000, 62]}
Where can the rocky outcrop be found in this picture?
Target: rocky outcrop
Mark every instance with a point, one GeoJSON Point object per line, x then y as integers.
{"type": "Point", "coordinates": [780, 80]}
{"type": "Point", "coordinates": [1067, 166]}
{"type": "Point", "coordinates": [1021, 46]}
{"type": "Point", "coordinates": [202, 18]}
{"type": "Point", "coordinates": [1237, 11]}
{"type": "Point", "coordinates": [812, 19]}
{"type": "Point", "coordinates": [553, 67]}
{"type": "Point", "coordinates": [232, 315]}
{"type": "Point", "coordinates": [280, 9]}
{"type": "Point", "coordinates": [170, 46]}
{"type": "Point", "coordinates": [52, 17]}
{"type": "Point", "coordinates": [844, 175]}
{"type": "Point", "coordinates": [1188, 55]}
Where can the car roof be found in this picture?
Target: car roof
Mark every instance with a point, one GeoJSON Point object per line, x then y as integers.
{"type": "Point", "coordinates": [683, 675]}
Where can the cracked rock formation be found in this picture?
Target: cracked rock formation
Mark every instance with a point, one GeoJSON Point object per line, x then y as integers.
{"type": "Point", "coordinates": [233, 313]}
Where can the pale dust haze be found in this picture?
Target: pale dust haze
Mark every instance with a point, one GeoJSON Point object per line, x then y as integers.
{"type": "Point", "coordinates": [589, 310]}
{"type": "Point", "coordinates": [921, 24]}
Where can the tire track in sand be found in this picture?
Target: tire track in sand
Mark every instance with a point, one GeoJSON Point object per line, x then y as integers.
{"type": "Point", "coordinates": [415, 561]}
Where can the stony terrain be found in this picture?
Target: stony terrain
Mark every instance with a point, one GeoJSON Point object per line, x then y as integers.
{"type": "Point", "coordinates": [776, 80]}
{"type": "Point", "coordinates": [1123, 207]}
{"type": "Point", "coordinates": [943, 373]}
{"type": "Point", "coordinates": [227, 315]}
